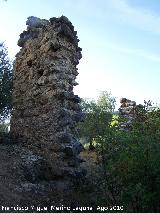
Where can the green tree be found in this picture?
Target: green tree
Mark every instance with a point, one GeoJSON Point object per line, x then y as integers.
{"type": "Point", "coordinates": [98, 116]}
{"type": "Point", "coordinates": [5, 84]}
{"type": "Point", "coordinates": [106, 101]}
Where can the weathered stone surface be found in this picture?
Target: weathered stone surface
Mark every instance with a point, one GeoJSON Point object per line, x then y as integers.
{"type": "Point", "coordinates": [34, 22]}
{"type": "Point", "coordinates": [35, 168]}
{"type": "Point", "coordinates": [128, 110]}
{"type": "Point", "coordinates": [46, 110]}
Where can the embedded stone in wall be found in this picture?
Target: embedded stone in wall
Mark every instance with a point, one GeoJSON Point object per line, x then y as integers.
{"type": "Point", "coordinates": [128, 110]}
{"type": "Point", "coordinates": [46, 110]}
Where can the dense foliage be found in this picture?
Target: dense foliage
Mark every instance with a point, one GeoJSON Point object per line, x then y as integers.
{"type": "Point", "coordinates": [5, 84]}
{"type": "Point", "coordinates": [97, 117]}
{"type": "Point", "coordinates": [129, 161]}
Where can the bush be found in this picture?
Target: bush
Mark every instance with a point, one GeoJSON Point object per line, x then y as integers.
{"type": "Point", "coordinates": [130, 164]}
{"type": "Point", "coordinates": [98, 115]}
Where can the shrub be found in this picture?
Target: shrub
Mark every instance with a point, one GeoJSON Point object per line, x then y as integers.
{"type": "Point", "coordinates": [130, 164]}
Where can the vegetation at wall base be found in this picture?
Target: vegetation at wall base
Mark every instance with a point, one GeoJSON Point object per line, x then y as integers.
{"type": "Point", "coordinates": [128, 161]}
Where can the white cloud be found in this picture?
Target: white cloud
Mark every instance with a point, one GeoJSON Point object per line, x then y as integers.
{"type": "Point", "coordinates": [138, 17]}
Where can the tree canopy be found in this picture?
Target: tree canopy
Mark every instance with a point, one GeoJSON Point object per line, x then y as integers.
{"type": "Point", "coordinates": [5, 83]}
{"type": "Point", "coordinates": [98, 115]}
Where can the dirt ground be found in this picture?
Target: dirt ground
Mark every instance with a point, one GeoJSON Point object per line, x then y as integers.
{"type": "Point", "coordinates": [16, 191]}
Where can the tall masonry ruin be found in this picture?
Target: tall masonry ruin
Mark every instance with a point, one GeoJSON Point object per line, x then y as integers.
{"type": "Point", "coordinates": [46, 110]}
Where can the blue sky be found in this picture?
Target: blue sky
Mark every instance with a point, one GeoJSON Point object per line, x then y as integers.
{"type": "Point", "coordinates": [120, 42]}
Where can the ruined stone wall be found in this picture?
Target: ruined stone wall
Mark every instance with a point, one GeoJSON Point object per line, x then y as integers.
{"type": "Point", "coordinates": [128, 110]}
{"type": "Point", "coordinates": [45, 108]}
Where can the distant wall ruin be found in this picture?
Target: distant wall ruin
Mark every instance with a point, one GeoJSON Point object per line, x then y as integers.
{"type": "Point", "coordinates": [46, 110]}
{"type": "Point", "coordinates": [128, 110]}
